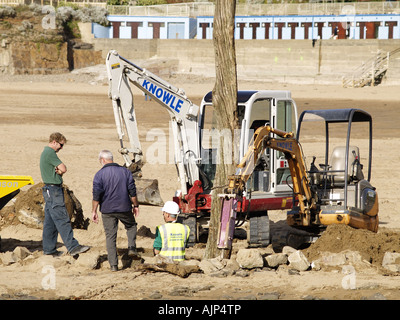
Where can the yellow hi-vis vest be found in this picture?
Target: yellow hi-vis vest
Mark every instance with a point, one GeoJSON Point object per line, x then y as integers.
{"type": "Point", "coordinates": [174, 237]}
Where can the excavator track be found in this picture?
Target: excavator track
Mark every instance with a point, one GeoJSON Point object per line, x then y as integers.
{"type": "Point", "coordinates": [259, 230]}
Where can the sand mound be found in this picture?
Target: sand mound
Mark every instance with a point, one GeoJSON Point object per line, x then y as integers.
{"type": "Point", "coordinates": [28, 208]}
{"type": "Point", "coordinates": [372, 246]}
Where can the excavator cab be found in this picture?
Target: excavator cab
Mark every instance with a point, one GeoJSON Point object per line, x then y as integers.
{"type": "Point", "coordinates": [269, 186]}
{"type": "Point", "coordinates": [341, 179]}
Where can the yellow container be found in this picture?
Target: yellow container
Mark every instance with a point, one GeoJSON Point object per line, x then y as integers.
{"type": "Point", "coordinates": [9, 184]}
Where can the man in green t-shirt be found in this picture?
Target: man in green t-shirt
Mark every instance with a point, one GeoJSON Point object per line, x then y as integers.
{"type": "Point", "coordinates": [56, 218]}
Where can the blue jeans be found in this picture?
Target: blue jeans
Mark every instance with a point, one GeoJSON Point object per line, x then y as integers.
{"type": "Point", "coordinates": [56, 220]}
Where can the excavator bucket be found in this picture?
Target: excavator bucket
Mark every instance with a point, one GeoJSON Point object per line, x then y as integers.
{"type": "Point", "coordinates": [10, 185]}
{"type": "Point", "coordinates": [148, 192]}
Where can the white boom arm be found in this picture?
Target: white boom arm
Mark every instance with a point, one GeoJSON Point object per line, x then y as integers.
{"type": "Point", "coordinates": [183, 113]}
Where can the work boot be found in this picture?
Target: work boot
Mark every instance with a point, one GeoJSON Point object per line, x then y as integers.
{"type": "Point", "coordinates": [132, 251]}
{"type": "Point", "coordinates": [54, 254]}
{"type": "Point", "coordinates": [79, 249]}
{"type": "Point", "coordinates": [114, 268]}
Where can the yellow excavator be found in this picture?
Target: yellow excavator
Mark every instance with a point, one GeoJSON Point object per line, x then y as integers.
{"type": "Point", "coordinates": [10, 186]}
{"type": "Point", "coordinates": [337, 193]}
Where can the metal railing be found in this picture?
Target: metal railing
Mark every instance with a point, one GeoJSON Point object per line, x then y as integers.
{"type": "Point", "coordinates": [195, 9]}
{"type": "Point", "coordinates": [370, 71]}
{"type": "Point", "coordinates": [100, 3]}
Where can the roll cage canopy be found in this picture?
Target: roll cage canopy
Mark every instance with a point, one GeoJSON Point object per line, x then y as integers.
{"type": "Point", "coordinates": [331, 116]}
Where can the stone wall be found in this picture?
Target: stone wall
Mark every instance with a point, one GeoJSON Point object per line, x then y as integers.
{"type": "Point", "coordinates": [28, 48]}
{"type": "Point", "coordinates": [276, 60]}
{"type": "Point", "coordinates": [43, 58]}
{"type": "Point", "coordinates": [38, 58]}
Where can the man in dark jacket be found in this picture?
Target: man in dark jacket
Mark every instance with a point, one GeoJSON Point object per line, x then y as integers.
{"type": "Point", "coordinates": [114, 190]}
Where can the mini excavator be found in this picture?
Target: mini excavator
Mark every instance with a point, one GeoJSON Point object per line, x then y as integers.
{"type": "Point", "coordinates": [337, 193]}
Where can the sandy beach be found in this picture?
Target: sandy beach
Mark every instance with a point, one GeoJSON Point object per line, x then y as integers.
{"type": "Point", "coordinates": [34, 106]}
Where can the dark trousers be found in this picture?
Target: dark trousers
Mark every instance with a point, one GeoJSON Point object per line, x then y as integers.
{"type": "Point", "coordinates": [110, 223]}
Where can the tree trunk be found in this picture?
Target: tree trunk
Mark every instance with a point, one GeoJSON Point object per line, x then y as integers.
{"type": "Point", "coordinates": [225, 111]}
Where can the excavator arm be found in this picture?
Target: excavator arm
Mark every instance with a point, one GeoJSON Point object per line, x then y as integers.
{"type": "Point", "coordinates": [288, 145]}
{"type": "Point", "coordinates": [183, 116]}
{"type": "Point", "coordinates": [261, 140]}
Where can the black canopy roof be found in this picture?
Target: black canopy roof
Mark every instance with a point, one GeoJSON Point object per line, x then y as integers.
{"type": "Point", "coordinates": [340, 115]}
{"type": "Point", "coordinates": [242, 96]}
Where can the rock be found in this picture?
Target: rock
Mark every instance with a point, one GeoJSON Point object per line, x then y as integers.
{"type": "Point", "coordinates": [293, 272]}
{"type": "Point", "coordinates": [298, 261]}
{"type": "Point", "coordinates": [333, 259]}
{"type": "Point", "coordinates": [89, 260]}
{"type": "Point", "coordinates": [274, 260]}
{"type": "Point", "coordinates": [20, 253]}
{"type": "Point", "coordinates": [354, 257]}
{"type": "Point", "coordinates": [220, 274]}
{"type": "Point", "coordinates": [288, 250]}
{"type": "Point", "coordinates": [392, 267]}
{"type": "Point", "coordinates": [269, 296]}
{"type": "Point", "coordinates": [209, 266]}
{"type": "Point", "coordinates": [338, 259]}
{"type": "Point", "coordinates": [249, 297]}
{"type": "Point", "coordinates": [182, 291]}
{"type": "Point", "coordinates": [55, 262]}
{"type": "Point", "coordinates": [391, 261]}
{"type": "Point", "coordinates": [156, 295]}
{"type": "Point", "coordinates": [375, 296]}
{"type": "Point", "coordinates": [150, 260]}
{"type": "Point", "coordinates": [249, 259]}
{"type": "Point", "coordinates": [315, 265]}
{"type": "Point", "coordinates": [191, 262]}
{"type": "Point", "coordinates": [391, 258]}
{"type": "Point", "coordinates": [7, 258]}
{"type": "Point", "coordinates": [242, 273]}
{"type": "Point", "coordinates": [232, 265]}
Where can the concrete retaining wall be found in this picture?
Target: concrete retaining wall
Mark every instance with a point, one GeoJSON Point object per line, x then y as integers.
{"type": "Point", "coordinates": [280, 60]}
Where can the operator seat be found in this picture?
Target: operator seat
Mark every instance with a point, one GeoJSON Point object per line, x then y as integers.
{"type": "Point", "coordinates": [354, 168]}
{"type": "Point", "coordinates": [258, 123]}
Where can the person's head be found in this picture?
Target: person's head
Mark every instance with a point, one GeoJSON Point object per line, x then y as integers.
{"type": "Point", "coordinates": [105, 156]}
{"type": "Point", "coordinates": [170, 211]}
{"type": "Point", "coordinates": [57, 141]}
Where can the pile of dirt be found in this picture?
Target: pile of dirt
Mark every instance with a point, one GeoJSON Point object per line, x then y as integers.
{"type": "Point", "coordinates": [28, 209]}
{"type": "Point", "coordinates": [371, 246]}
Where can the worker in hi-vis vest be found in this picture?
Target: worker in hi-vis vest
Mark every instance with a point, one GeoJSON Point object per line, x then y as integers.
{"type": "Point", "coordinates": [172, 237]}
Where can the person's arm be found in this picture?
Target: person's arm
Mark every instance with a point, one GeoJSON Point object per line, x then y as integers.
{"type": "Point", "coordinates": [61, 169]}
{"type": "Point", "coordinates": [157, 245]}
{"type": "Point", "coordinates": [97, 195]}
{"type": "Point", "coordinates": [132, 194]}
{"type": "Point", "coordinates": [95, 216]}
{"type": "Point", "coordinates": [135, 203]}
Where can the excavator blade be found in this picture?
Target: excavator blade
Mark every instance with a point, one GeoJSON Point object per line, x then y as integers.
{"type": "Point", "coordinates": [10, 185]}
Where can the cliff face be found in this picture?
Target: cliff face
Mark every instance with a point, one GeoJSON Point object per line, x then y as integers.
{"type": "Point", "coordinates": [28, 48]}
